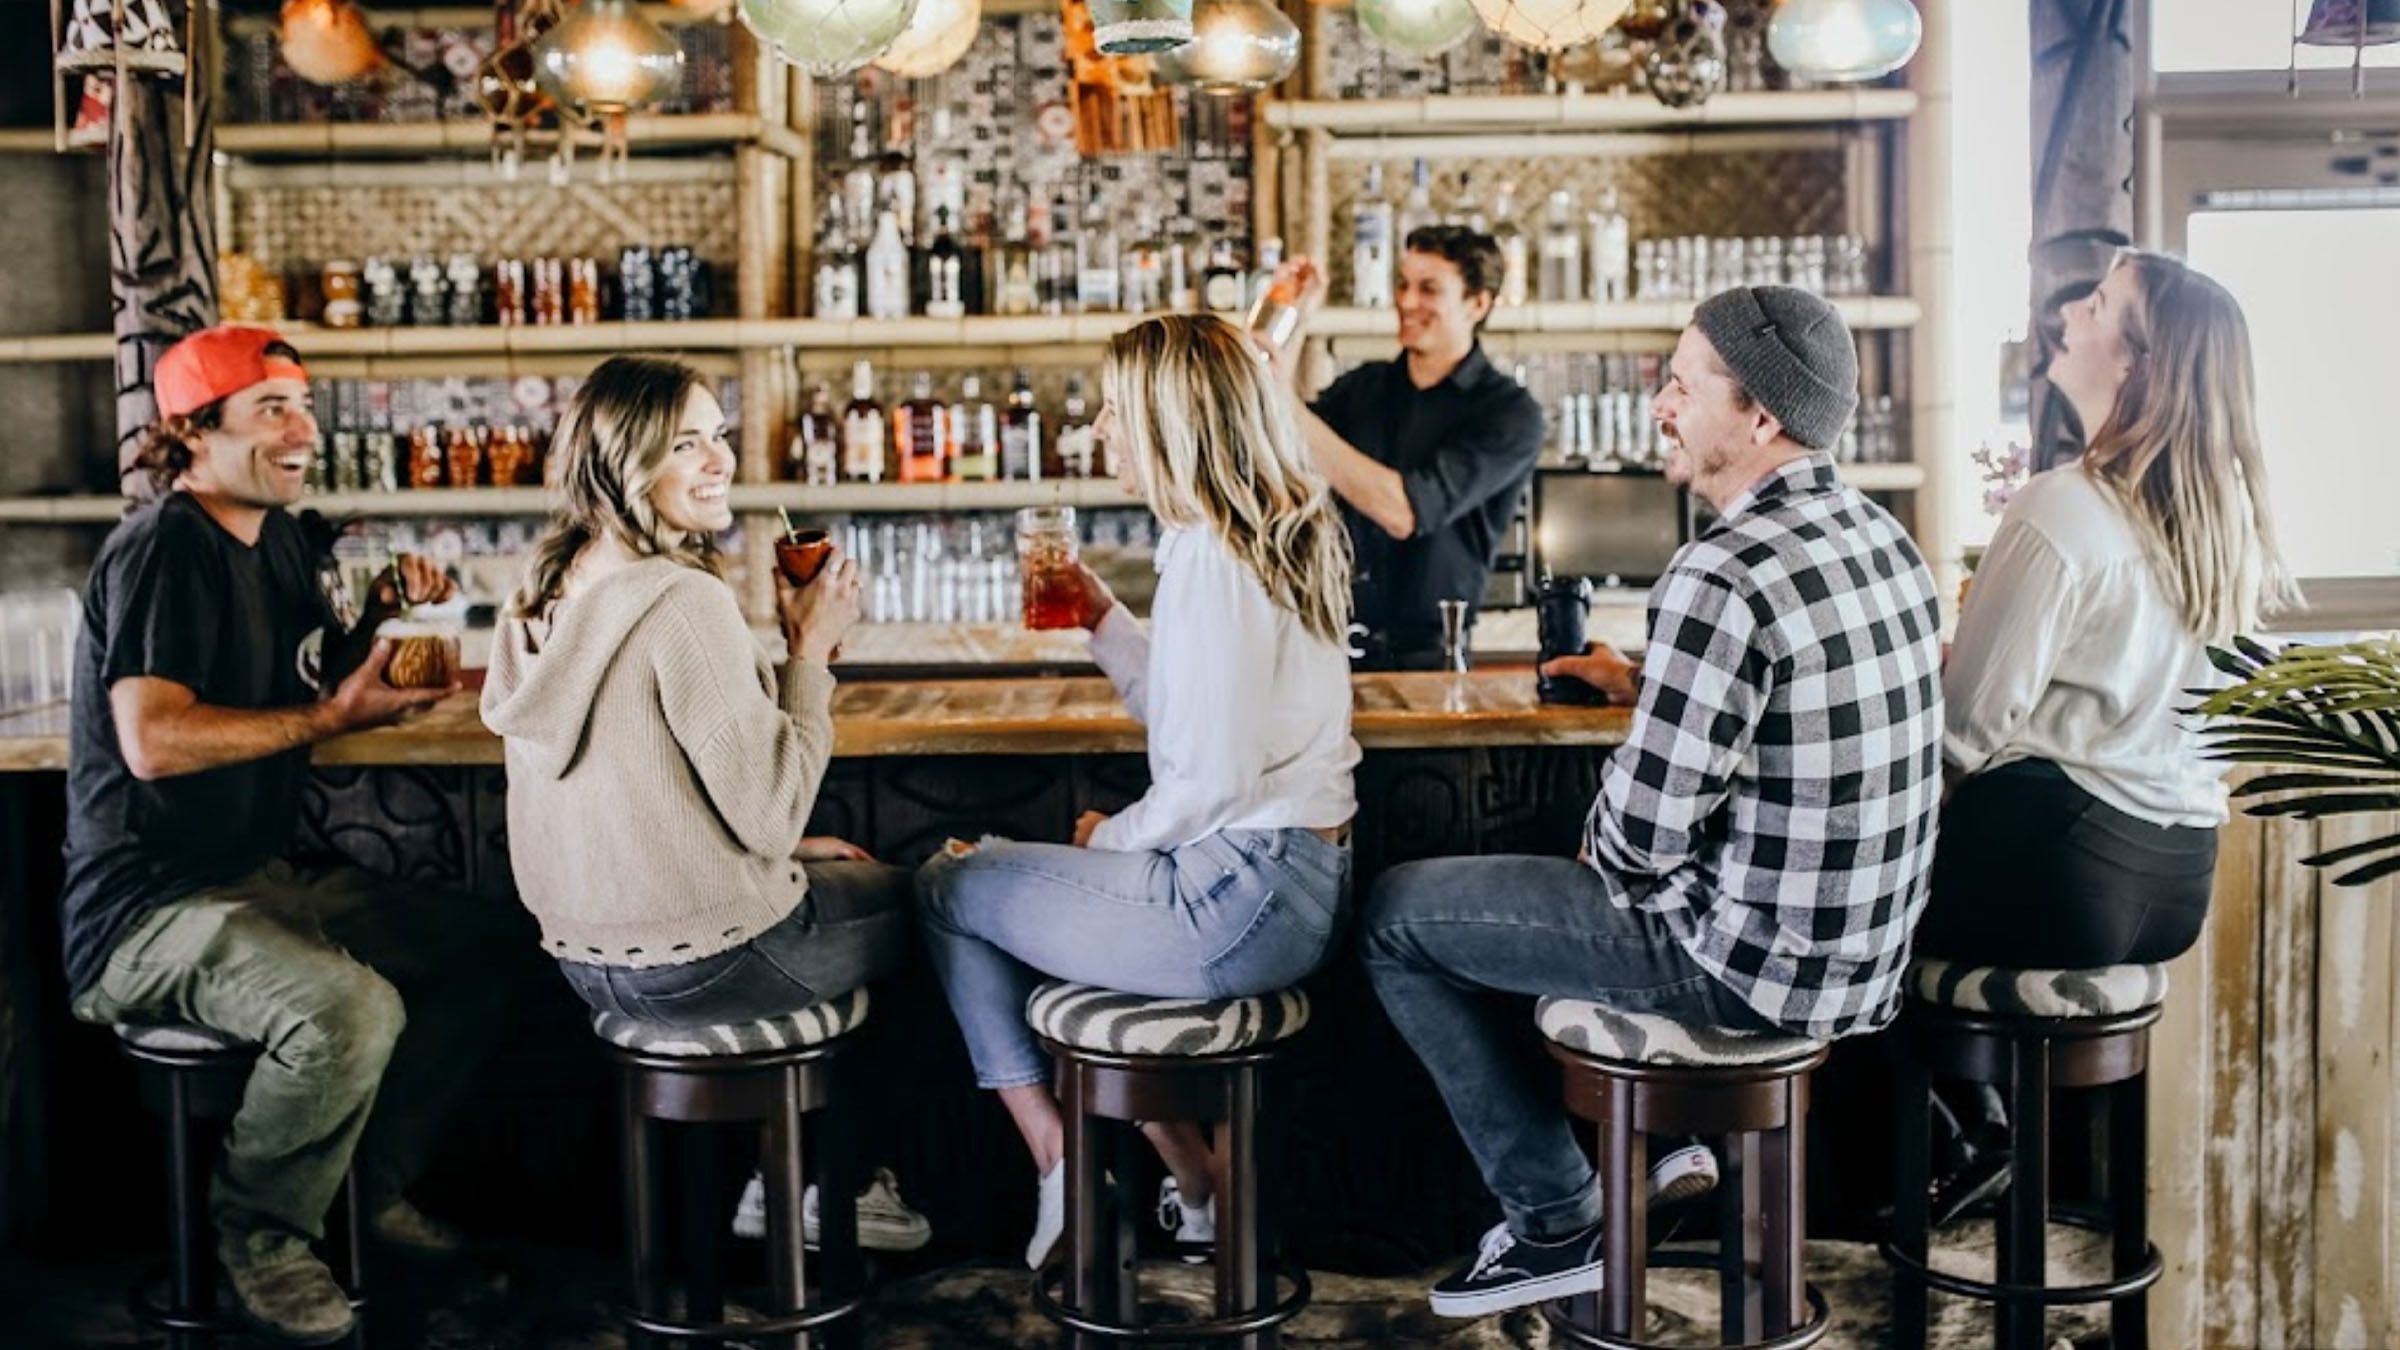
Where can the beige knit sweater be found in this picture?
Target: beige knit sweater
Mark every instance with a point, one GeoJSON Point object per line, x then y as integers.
{"type": "Point", "coordinates": [659, 776]}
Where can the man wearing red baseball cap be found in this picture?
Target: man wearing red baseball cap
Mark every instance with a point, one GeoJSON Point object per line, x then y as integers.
{"type": "Point", "coordinates": [211, 659]}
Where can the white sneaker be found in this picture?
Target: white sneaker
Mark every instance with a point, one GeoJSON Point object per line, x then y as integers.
{"type": "Point", "coordinates": [1049, 1214]}
{"type": "Point", "coordinates": [1687, 1172]}
{"type": "Point", "coordinates": [885, 1222]}
{"type": "Point", "coordinates": [1193, 1226]}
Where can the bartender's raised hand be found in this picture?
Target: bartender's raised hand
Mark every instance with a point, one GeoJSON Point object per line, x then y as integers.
{"type": "Point", "coordinates": [1601, 668]}
{"type": "Point", "coordinates": [1093, 598]}
{"type": "Point", "coordinates": [412, 579]}
{"type": "Point", "coordinates": [817, 616]}
{"type": "Point", "coordinates": [1307, 280]}
{"type": "Point", "coordinates": [1085, 824]}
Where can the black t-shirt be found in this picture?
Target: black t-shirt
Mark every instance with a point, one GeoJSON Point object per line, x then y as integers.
{"type": "Point", "coordinates": [174, 596]}
{"type": "Point", "coordinates": [1464, 449]}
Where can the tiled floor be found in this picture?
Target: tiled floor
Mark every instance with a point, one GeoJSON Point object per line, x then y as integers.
{"type": "Point", "coordinates": [551, 1299]}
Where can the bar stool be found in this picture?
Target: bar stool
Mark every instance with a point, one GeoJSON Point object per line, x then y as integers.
{"type": "Point", "coordinates": [1128, 1058]}
{"type": "Point", "coordinates": [194, 1077]}
{"type": "Point", "coordinates": [2026, 1032]}
{"type": "Point", "coordinates": [769, 1074]}
{"type": "Point", "coordinates": [1637, 1074]}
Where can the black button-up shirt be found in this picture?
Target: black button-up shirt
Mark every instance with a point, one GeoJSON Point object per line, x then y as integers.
{"type": "Point", "coordinates": [1464, 449]}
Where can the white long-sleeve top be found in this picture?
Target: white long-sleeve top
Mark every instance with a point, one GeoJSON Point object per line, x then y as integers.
{"type": "Point", "coordinates": [2070, 650]}
{"type": "Point", "coordinates": [1248, 712]}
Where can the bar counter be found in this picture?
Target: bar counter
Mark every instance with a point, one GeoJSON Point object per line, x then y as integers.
{"type": "Point", "coordinates": [1076, 715]}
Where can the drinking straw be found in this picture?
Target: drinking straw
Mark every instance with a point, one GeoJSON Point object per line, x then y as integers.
{"type": "Point", "coordinates": [786, 518]}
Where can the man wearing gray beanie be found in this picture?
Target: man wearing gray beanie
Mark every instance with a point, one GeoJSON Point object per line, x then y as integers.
{"type": "Point", "coordinates": [1758, 851]}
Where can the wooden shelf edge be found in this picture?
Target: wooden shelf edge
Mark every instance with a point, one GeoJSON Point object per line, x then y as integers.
{"type": "Point", "coordinates": [1438, 113]}
{"type": "Point", "coordinates": [657, 131]}
{"type": "Point", "coordinates": [747, 499]}
{"type": "Point", "coordinates": [1861, 312]}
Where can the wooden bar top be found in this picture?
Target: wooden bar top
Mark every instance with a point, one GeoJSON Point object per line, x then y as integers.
{"type": "Point", "coordinates": [985, 717]}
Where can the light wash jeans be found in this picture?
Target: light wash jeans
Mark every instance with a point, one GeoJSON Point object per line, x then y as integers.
{"type": "Point", "coordinates": [1238, 913]}
{"type": "Point", "coordinates": [1455, 947]}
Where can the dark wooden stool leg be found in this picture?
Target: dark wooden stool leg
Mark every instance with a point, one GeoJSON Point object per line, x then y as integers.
{"type": "Point", "coordinates": [2129, 1206]}
{"type": "Point", "coordinates": [645, 1225]}
{"type": "Point", "coordinates": [1735, 1238]}
{"type": "Point", "coordinates": [2024, 1219]}
{"type": "Point", "coordinates": [1240, 1257]}
{"type": "Point", "coordinates": [1092, 1265]}
{"type": "Point", "coordinates": [1783, 1181]}
{"type": "Point", "coordinates": [841, 1265]}
{"type": "Point", "coordinates": [1126, 1209]}
{"type": "Point", "coordinates": [1624, 1238]}
{"type": "Point", "coordinates": [1912, 1207]}
{"type": "Point", "coordinates": [191, 1246]}
{"type": "Point", "coordinates": [786, 1169]}
{"type": "Point", "coordinates": [703, 1224]}
{"type": "Point", "coordinates": [354, 1255]}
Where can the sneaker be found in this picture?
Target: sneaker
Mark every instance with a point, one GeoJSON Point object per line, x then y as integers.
{"type": "Point", "coordinates": [1049, 1214]}
{"type": "Point", "coordinates": [885, 1222]}
{"type": "Point", "coordinates": [405, 1230]}
{"type": "Point", "coordinates": [1192, 1226]}
{"type": "Point", "coordinates": [295, 1301]}
{"type": "Point", "coordinates": [1983, 1179]}
{"type": "Point", "coordinates": [1683, 1174]}
{"type": "Point", "coordinates": [1513, 1272]}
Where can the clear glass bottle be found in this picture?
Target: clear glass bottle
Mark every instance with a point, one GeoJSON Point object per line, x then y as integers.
{"type": "Point", "coordinates": [1262, 277]}
{"type": "Point", "coordinates": [1098, 283]}
{"type": "Point", "coordinates": [887, 270]}
{"type": "Point", "coordinates": [1142, 288]}
{"type": "Point", "coordinates": [945, 271]}
{"type": "Point", "coordinates": [1014, 291]}
{"type": "Point", "coordinates": [1515, 262]}
{"type": "Point", "coordinates": [1612, 251]}
{"type": "Point", "coordinates": [864, 444]}
{"type": "Point", "coordinates": [1467, 210]}
{"type": "Point", "coordinates": [1183, 268]}
{"type": "Point", "coordinates": [896, 192]}
{"type": "Point", "coordinates": [1371, 256]}
{"type": "Point", "coordinates": [1561, 280]}
{"type": "Point", "coordinates": [1223, 286]}
{"type": "Point", "coordinates": [815, 457]}
{"type": "Point", "coordinates": [1415, 212]}
{"type": "Point", "coordinates": [837, 268]}
{"type": "Point", "coordinates": [921, 435]}
{"type": "Point", "coordinates": [1078, 443]}
{"type": "Point", "coordinates": [1021, 433]}
{"type": "Point", "coordinates": [975, 427]}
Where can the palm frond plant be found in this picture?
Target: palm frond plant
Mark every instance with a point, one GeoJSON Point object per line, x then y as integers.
{"type": "Point", "coordinates": [2328, 720]}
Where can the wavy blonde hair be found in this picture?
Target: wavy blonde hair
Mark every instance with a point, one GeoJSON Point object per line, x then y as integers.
{"type": "Point", "coordinates": [2180, 449]}
{"type": "Point", "coordinates": [1215, 446]}
{"type": "Point", "coordinates": [615, 434]}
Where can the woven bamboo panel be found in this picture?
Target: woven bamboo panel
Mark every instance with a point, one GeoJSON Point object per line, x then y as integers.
{"type": "Point", "coordinates": [1744, 194]}
{"type": "Point", "coordinates": [301, 227]}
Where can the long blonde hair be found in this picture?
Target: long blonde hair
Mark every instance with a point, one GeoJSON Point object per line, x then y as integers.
{"type": "Point", "coordinates": [1216, 447]}
{"type": "Point", "coordinates": [2180, 449]}
{"type": "Point", "coordinates": [615, 434]}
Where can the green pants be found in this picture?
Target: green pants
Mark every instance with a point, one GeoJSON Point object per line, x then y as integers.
{"type": "Point", "coordinates": [372, 999]}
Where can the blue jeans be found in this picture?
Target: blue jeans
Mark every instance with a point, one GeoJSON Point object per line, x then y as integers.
{"type": "Point", "coordinates": [851, 928]}
{"type": "Point", "coordinates": [1238, 913]}
{"type": "Point", "coordinates": [1454, 946]}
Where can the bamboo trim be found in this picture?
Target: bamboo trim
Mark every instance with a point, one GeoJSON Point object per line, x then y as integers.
{"type": "Point", "coordinates": [446, 16]}
{"type": "Point", "coordinates": [754, 266]}
{"type": "Point", "coordinates": [247, 176]}
{"type": "Point", "coordinates": [716, 365]}
{"type": "Point", "coordinates": [1921, 178]}
{"type": "Point", "coordinates": [367, 138]}
{"type": "Point", "coordinates": [1580, 145]}
{"type": "Point", "coordinates": [1532, 112]}
{"type": "Point", "coordinates": [1870, 312]}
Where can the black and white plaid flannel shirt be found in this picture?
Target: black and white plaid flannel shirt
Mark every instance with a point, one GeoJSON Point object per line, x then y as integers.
{"type": "Point", "coordinates": [1775, 800]}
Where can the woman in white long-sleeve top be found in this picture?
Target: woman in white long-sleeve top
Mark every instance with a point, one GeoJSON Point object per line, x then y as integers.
{"type": "Point", "coordinates": [1227, 878]}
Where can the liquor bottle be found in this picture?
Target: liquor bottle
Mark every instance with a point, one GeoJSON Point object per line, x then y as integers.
{"type": "Point", "coordinates": [1262, 277]}
{"type": "Point", "coordinates": [1015, 292]}
{"type": "Point", "coordinates": [1054, 263]}
{"type": "Point", "coordinates": [837, 268]}
{"type": "Point", "coordinates": [1078, 441]}
{"type": "Point", "coordinates": [1417, 211]}
{"type": "Point", "coordinates": [975, 428]}
{"type": "Point", "coordinates": [858, 183]}
{"type": "Point", "coordinates": [1021, 433]}
{"type": "Point", "coordinates": [896, 192]}
{"type": "Point", "coordinates": [863, 441]}
{"type": "Point", "coordinates": [945, 274]}
{"type": "Point", "coordinates": [1514, 263]}
{"type": "Point", "coordinates": [1371, 258]}
{"type": "Point", "coordinates": [1467, 210]}
{"type": "Point", "coordinates": [1183, 268]}
{"type": "Point", "coordinates": [887, 270]}
{"type": "Point", "coordinates": [1143, 286]}
{"type": "Point", "coordinates": [1098, 284]}
{"type": "Point", "coordinates": [815, 457]}
{"type": "Point", "coordinates": [921, 434]}
{"type": "Point", "coordinates": [1561, 252]}
{"type": "Point", "coordinates": [1222, 286]}
{"type": "Point", "coordinates": [1612, 251]}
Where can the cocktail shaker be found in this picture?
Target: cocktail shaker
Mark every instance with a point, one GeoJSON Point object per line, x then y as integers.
{"type": "Point", "coordinates": [1562, 606]}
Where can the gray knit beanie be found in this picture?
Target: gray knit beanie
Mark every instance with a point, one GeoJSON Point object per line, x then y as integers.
{"type": "Point", "coordinates": [1792, 351]}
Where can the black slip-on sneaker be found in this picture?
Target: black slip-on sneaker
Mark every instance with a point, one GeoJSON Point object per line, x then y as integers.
{"type": "Point", "coordinates": [1513, 1272]}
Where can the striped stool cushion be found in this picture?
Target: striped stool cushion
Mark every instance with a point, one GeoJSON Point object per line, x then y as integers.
{"type": "Point", "coordinates": [813, 1025]}
{"type": "Point", "coordinates": [181, 1036]}
{"type": "Point", "coordinates": [2103, 991]}
{"type": "Point", "coordinates": [1646, 1038]}
{"type": "Point", "coordinates": [1091, 1018]}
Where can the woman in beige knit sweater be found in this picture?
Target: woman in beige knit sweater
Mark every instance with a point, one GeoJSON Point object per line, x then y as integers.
{"type": "Point", "coordinates": [661, 771]}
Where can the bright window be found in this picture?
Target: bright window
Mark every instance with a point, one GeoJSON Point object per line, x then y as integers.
{"type": "Point", "coordinates": [1991, 194]}
{"type": "Point", "coordinates": [2239, 35]}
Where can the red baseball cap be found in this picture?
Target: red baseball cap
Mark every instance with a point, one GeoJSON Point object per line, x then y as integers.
{"type": "Point", "coordinates": [215, 363]}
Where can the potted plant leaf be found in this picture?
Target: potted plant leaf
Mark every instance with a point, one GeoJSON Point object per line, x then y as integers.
{"type": "Point", "coordinates": [2328, 720]}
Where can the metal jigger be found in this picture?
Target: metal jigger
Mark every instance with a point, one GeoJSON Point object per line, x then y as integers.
{"type": "Point", "coordinates": [1454, 635]}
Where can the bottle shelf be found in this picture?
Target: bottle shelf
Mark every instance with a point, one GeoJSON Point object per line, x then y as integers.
{"type": "Point", "coordinates": [753, 498]}
{"type": "Point", "coordinates": [668, 131]}
{"type": "Point", "coordinates": [1469, 113]}
{"type": "Point", "coordinates": [1862, 312]}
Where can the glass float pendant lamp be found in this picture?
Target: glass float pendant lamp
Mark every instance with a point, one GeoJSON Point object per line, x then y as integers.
{"type": "Point", "coordinates": [828, 37]}
{"type": "Point", "coordinates": [1417, 27]}
{"type": "Point", "coordinates": [605, 59]}
{"type": "Point", "coordinates": [1550, 25]}
{"type": "Point", "coordinates": [1843, 41]}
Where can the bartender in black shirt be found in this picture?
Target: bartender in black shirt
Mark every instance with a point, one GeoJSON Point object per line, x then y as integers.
{"type": "Point", "coordinates": [1429, 453]}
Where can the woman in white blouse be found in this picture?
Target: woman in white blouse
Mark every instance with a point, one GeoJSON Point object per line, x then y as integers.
{"type": "Point", "coordinates": [1228, 877]}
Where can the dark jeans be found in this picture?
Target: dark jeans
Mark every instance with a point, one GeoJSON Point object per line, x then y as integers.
{"type": "Point", "coordinates": [853, 927]}
{"type": "Point", "coordinates": [2034, 872]}
{"type": "Point", "coordinates": [1458, 947]}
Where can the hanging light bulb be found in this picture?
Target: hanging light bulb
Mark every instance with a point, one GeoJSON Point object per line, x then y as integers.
{"type": "Point", "coordinates": [326, 41]}
{"type": "Point", "coordinates": [1417, 27]}
{"type": "Point", "coordinates": [828, 37]}
{"type": "Point", "coordinates": [1550, 25]}
{"type": "Point", "coordinates": [938, 34]}
{"type": "Point", "coordinates": [1140, 27]}
{"type": "Point", "coordinates": [606, 58]}
{"type": "Point", "coordinates": [1237, 47]}
{"type": "Point", "coordinates": [1837, 41]}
